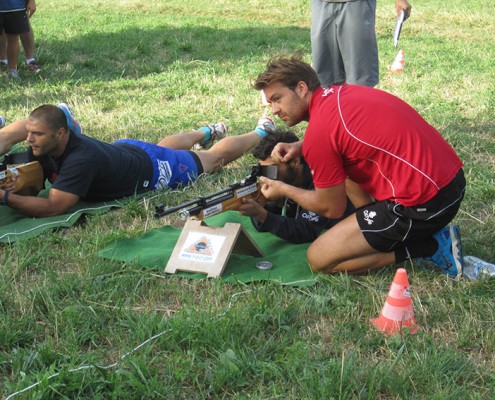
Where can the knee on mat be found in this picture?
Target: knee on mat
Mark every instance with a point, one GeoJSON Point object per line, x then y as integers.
{"type": "Point", "coordinates": [317, 263]}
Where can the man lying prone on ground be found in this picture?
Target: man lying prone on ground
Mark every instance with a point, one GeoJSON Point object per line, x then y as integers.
{"type": "Point", "coordinates": [81, 167]}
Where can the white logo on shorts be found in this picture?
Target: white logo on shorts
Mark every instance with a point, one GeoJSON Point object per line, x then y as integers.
{"type": "Point", "coordinates": [165, 174]}
{"type": "Point", "coordinates": [368, 216]}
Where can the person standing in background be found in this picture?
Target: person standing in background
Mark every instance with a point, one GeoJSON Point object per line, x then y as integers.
{"type": "Point", "coordinates": [27, 40]}
{"type": "Point", "coordinates": [14, 23]}
{"type": "Point", "coordinates": [343, 40]}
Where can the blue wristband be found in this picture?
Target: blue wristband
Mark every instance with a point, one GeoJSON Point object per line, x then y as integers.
{"type": "Point", "coordinates": [207, 131]}
{"type": "Point", "coordinates": [260, 132]}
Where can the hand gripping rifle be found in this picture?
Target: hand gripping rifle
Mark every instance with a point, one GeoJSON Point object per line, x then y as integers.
{"type": "Point", "coordinates": [28, 174]}
{"type": "Point", "coordinates": [223, 200]}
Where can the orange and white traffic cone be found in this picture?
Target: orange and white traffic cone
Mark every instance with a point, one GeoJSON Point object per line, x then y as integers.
{"type": "Point", "coordinates": [397, 313]}
{"type": "Point", "coordinates": [398, 64]}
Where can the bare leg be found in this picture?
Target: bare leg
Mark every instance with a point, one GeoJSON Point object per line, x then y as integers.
{"type": "Point", "coordinates": [27, 40]}
{"type": "Point", "coordinates": [344, 248]}
{"type": "Point", "coordinates": [3, 47]}
{"type": "Point", "coordinates": [13, 50]}
{"type": "Point", "coordinates": [227, 150]}
{"type": "Point", "coordinates": [12, 134]}
{"type": "Point", "coordinates": [182, 141]}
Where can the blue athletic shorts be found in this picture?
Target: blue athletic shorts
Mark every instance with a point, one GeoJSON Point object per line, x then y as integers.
{"type": "Point", "coordinates": [172, 168]}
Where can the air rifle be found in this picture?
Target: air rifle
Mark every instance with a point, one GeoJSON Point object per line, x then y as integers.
{"type": "Point", "coordinates": [223, 200]}
{"type": "Point", "coordinates": [28, 174]}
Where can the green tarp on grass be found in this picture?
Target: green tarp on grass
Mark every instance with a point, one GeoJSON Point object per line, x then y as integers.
{"type": "Point", "coordinates": [15, 226]}
{"type": "Point", "coordinates": [153, 249]}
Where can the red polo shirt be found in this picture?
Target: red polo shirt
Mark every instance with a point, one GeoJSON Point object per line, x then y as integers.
{"type": "Point", "coordinates": [379, 142]}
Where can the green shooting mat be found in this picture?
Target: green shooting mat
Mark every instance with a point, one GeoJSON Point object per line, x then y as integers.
{"type": "Point", "coordinates": [154, 248]}
{"type": "Point", "coordinates": [15, 226]}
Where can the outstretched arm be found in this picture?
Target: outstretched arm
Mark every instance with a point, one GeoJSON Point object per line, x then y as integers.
{"type": "Point", "coordinates": [13, 133]}
{"type": "Point", "coordinates": [295, 230]}
{"type": "Point", "coordinates": [57, 203]}
{"type": "Point", "coordinates": [329, 202]}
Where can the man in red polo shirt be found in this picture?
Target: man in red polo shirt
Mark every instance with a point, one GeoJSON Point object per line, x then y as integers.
{"type": "Point", "coordinates": [362, 141]}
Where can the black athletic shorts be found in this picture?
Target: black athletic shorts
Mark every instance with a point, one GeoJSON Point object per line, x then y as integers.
{"type": "Point", "coordinates": [14, 23]}
{"type": "Point", "coordinates": [386, 224]}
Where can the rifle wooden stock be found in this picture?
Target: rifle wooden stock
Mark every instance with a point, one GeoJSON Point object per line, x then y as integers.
{"type": "Point", "coordinates": [29, 175]}
{"type": "Point", "coordinates": [215, 203]}
{"type": "Point", "coordinates": [223, 200]}
{"type": "Point", "coordinates": [226, 203]}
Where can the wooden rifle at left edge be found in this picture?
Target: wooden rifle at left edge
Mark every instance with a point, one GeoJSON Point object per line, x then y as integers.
{"type": "Point", "coordinates": [28, 174]}
{"type": "Point", "coordinates": [223, 200]}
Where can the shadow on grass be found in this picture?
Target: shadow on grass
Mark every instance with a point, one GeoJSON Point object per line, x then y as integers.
{"type": "Point", "coordinates": [139, 52]}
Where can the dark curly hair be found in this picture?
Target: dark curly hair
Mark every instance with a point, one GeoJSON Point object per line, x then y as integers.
{"type": "Point", "coordinates": [264, 148]}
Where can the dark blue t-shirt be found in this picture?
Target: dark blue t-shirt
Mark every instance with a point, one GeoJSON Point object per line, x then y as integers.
{"type": "Point", "coordinates": [98, 171]}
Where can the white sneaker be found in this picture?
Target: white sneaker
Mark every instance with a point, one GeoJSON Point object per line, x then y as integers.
{"type": "Point", "coordinates": [218, 131]}
{"type": "Point", "coordinates": [13, 74]}
{"type": "Point", "coordinates": [33, 66]}
{"type": "Point", "coordinates": [73, 125]}
{"type": "Point", "coordinates": [265, 125]}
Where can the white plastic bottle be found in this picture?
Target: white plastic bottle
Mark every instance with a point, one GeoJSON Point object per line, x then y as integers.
{"type": "Point", "coordinates": [475, 268]}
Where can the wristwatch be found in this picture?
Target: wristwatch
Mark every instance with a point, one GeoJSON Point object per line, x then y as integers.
{"type": "Point", "coordinates": [5, 198]}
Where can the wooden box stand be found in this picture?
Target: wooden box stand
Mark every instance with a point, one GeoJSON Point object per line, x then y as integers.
{"type": "Point", "coordinates": [206, 249]}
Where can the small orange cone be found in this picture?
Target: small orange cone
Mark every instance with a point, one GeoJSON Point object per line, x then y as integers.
{"type": "Point", "coordinates": [397, 313]}
{"type": "Point", "coordinates": [398, 64]}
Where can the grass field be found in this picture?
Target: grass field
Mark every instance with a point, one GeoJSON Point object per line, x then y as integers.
{"type": "Point", "coordinates": [149, 69]}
